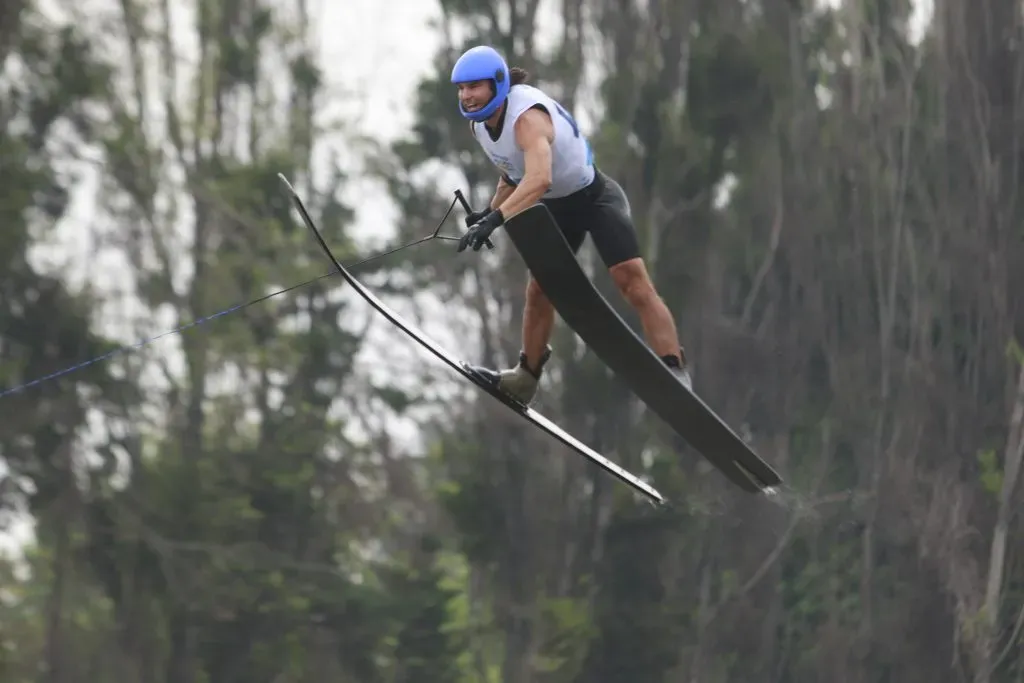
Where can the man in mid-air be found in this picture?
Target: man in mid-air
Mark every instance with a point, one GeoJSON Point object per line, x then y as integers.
{"type": "Point", "coordinates": [544, 157]}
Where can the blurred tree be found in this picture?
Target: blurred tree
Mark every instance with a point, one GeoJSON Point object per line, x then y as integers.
{"type": "Point", "coordinates": [828, 202]}
{"type": "Point", "coordinates": [49, 79]}
{"type": "Point", "coordinates": [792, 173]}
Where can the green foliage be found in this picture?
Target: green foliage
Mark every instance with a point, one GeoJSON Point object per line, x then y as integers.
{"type": "Point", "coordinates": [727, 96]}
{"type": "Point", "coordinates": [43, 326]}
{"type": "Point", "coordinates": [244, 505]}
{"type": "Point", "coordinates": [638, 631]}
{"type": "Point", "coordinates": [425, 645]}
{"type": "Point", "coordinates": [991, 472]}
{"type": "Point", "coordinates": [468, 500]}
{"type": "Point", "coordinates": [568, 621]}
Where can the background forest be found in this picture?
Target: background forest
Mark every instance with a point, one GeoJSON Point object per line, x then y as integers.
{"type": "Point", "coordinates": [829, 201]}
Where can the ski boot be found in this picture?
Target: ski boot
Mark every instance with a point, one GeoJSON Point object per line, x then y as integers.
{"type": "Point", "coordinates": [680, 368]}
{"type": "Point", "coordinates": [520, 382]}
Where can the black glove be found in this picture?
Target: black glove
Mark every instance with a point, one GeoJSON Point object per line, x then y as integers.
{"type": "Point", "coordinates": [480, 230]}
{"type": "Point", "coordinates": [475, 216]}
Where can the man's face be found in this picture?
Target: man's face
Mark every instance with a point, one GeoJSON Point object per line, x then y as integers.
{"type": "Point", "coordinates": [475, 94]}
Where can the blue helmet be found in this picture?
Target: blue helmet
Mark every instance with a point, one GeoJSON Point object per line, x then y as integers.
{"type": "Point", "coordinates": [483, 63]}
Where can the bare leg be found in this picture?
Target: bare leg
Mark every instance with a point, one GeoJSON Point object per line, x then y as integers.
{"type": "Point", "coordinates": [635, 285]}
{"type": "Point", "coordinates": [538, 322]}
{"type": "Point", "coordinates": [521, 382]}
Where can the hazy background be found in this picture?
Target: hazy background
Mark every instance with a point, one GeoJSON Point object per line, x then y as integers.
{"type": "Point", "coordinates": [827, 196]}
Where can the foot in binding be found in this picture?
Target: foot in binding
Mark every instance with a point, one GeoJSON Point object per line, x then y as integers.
{"type": "Point", "coordinates": [680, 368]}
{"type": "Point", "coordinates": [519, 382]}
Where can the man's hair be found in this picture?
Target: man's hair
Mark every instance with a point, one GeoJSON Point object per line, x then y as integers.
{"type": "Point", "coordinates": [518, 75]}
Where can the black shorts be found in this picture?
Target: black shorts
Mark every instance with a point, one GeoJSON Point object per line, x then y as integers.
{"type": "Point", "coordinates": [601, 209]}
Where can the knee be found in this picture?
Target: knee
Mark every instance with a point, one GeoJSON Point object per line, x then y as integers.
{"type": "Point", "coordinates": [638, 292]}
{"type": "Point", "coordinates": [634, 284]}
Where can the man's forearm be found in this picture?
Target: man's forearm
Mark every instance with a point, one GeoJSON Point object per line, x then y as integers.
{"type": "Point", "coordinates": [523, 196]}
{"type": "Point", "coordinates": [501, 193]}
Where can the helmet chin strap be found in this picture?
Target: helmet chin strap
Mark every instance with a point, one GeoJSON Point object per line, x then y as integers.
{"type": "Point", "coordinates": [498, 111]}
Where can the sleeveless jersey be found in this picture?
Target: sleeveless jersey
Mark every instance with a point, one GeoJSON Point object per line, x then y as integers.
{"type": "Point", "coordinates": [572, 162]}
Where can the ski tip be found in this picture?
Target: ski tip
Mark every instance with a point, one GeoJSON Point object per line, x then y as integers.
{"type": "Point", "coordinates": [286, 183]}
{"type": "Point", "coordinates": [656, 501]}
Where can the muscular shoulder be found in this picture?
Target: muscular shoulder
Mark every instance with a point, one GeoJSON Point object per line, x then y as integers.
{"type": "Point", "coordinates": [534, 125]}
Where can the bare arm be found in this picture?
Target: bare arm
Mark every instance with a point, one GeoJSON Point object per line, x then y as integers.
{"type": "Point", "coordinates": [534, 134]}
{"type": "Point", "coordinates": [502, 192]}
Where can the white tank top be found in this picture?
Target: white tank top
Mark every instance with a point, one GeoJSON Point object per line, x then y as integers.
{"type": "Point", "coordinates": [572, 162]}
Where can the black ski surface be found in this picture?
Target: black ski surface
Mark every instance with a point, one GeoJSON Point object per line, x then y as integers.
{"type": "Point", "coordinates": [464, 369]}
{"type": "Point", "coordinates": [550, 260]}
